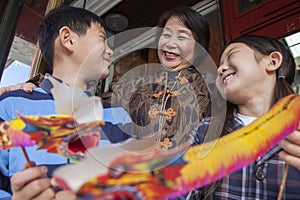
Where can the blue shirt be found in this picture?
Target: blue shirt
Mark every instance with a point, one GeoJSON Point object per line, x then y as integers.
{"type": "Point", "coordinates": [41, 102]}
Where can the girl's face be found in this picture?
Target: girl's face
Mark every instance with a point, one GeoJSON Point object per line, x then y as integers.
{"type": "Point", "coordinates": [176, 45]}
{"type": "Point", "coordinates": [240, 75]}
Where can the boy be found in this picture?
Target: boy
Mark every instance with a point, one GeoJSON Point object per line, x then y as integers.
{"type": "Point", "coordinates": [72, 41]}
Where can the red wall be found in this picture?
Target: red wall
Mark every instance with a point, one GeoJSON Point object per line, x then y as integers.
{"type": "Point", "coordinates": [30, 19]}
{"type": "Point", "coordinates": [273, 18]}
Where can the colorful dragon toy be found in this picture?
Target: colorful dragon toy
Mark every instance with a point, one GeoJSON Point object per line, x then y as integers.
{"type": "Point", "coordinates": [71, 132]}
{"type": "Point", "coordinates": [56, 133]}
{"type": "Point", "coordinates": [143, 175]}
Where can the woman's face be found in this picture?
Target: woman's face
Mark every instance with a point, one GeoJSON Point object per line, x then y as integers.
{"type": "Point", "coordinates": [176, 45]}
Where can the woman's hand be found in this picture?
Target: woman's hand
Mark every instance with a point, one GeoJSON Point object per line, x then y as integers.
{"type": "Point", "coordinates": [27, 87]}
{"type": "Point", "coordinates": [291, 147]}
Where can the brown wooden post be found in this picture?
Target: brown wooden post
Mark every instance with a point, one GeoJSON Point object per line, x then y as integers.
{"type": "Point", "coordinates": [10, 12]}
{"type": "Point", "coordinates": [38, 63]}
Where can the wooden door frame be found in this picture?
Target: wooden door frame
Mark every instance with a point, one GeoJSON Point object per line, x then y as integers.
{"type": "Point", "coordinates": [11, 11]}
{"type": "Point", "coordinates": [38, 63]}
{"type": "Point", "coordinates": [273, 18]}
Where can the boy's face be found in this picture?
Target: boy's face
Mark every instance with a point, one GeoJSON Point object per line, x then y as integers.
{"type": "Point", "coordinates": [95, 54]}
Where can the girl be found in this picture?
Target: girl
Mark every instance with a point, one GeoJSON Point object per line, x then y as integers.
{"type": "Point", "coordinates": [254, 73]}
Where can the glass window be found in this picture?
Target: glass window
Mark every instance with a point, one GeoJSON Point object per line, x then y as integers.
{"type": "Point", "coordinates": [244, 5]}
{"type": "Point", "coordinates": [293, 43]}
{"type": "Point", "coordinates": [15, 72]}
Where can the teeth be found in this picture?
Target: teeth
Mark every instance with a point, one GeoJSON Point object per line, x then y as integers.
{"type": "Point", "coordinates": [171, 54]}
{"type": "Point", "coordinates": [227, 77]}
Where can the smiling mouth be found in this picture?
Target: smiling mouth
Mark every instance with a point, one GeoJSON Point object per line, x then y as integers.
{"type": "Point", "coordinates": [169, 54]}
{"type": "Point", "coordinates": [107, 60]}
{"type": "Point", "coordinates": [226, 78]}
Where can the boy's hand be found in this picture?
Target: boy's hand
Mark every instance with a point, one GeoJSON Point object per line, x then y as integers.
{"type": "Point", "coordinates": [65, 195]}
{"type": "Point", "coordinates": [32, 183]}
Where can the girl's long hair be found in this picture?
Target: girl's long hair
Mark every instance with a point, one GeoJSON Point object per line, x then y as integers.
{"type": "Point", "coordinates": [285, 77]}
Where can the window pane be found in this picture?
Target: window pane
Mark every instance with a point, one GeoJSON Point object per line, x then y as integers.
{"type": "Point", "coordinates": [247, 4]}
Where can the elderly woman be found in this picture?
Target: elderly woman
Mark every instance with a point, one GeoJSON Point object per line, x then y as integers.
{"type": "Point", "coordinates": [173, 99]}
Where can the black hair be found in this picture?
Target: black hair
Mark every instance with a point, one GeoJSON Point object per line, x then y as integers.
{"type": "Point", "coordinates": [285, 76]}
{"type": "Point", "coordinates": [194, 21]}
{"type": "Point", "coordinates": [285, 73]}
{"type": "Point", "coordinates": [78, 20]}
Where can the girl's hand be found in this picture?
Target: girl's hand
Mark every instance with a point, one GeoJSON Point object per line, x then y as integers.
{"type": "Point", "coordinates": [291, 146]}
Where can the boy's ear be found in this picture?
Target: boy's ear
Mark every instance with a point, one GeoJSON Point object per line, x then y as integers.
{"type": "Point", "coordinates": [66, 37]}
{"type": "Point", "coordinates": [275, 60]}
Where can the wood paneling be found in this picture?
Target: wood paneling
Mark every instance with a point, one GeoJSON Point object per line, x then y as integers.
{"type": "Point", "coordinates": [141, 13]}
{"type": "Point", "coordinates": [30, 19]}
{"type": "Point", "coordinates": [273, 18]}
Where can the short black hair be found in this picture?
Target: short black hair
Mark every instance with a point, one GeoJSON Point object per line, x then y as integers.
{"type": "Point", "coordinates": [193, 20]}
{"type": "Point", "coordinates": [78, 20]}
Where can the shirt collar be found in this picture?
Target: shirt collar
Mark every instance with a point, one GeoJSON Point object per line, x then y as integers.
{"type": "Point", "coordinates": [47, 85]}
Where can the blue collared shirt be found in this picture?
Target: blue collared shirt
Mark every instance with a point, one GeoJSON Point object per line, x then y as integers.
{"type": "Point", "coordinates": [41, 102]}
